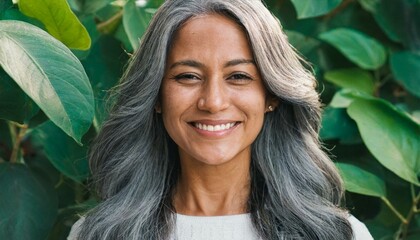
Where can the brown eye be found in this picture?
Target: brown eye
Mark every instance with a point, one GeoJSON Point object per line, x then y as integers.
{"type": "Point", "coordinates": [240, 78]}
{"type": "Point", "coordinates": [186, 78]}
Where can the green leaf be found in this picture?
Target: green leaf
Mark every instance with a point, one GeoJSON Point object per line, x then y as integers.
{"type": "Point", "coordinates": [306, 9]}
{"type": "Point", "coordinates": [5, 5]}
{"type": "Point", "coordinates": [121, 35]}
{"type": "Point", "coordinates": [336, 124]}
{"type": "Point", "coordinates": [48, 73]}
{"type": "Point", "coordinates": [353, 78]}
{"type": "Point", "coordinates": [359, 48]}
{"type": "Point", "coordinates": [104, 66]}
{"type": "Point", "coordinates": [369, 5]}
{"type": "Point", "coordinates": [406, 69]}
{"type": "Point", "coordinates": [360, 180]}
{"type": "Point", "coordinates": [344, 97]}
{"type": "Point", "coordinates": [302, 43]}
{"type": "Point", "coordinates": [398, 19]}
{"type": "Point", "coordinates": [89, 6]}
{"type": "Point", "coordinates": [67, 156]}
{"type": "Point", "coordinates": [59, 21]}
{"type": "Point", "coordinates": [15, 105]}
{"type": "Point", "coordinates": [135, 21]}
{"type": "Point", "coordinates": [28, 206]}
{"type": "Point", "coordinates": [391, 136]}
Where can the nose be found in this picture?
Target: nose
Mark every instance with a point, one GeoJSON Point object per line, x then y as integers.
{"type": "Point", "coordinates": [214, 97]}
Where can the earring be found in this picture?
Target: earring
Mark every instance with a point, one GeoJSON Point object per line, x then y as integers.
{"type": "Point", "coordinates": [270, 108]}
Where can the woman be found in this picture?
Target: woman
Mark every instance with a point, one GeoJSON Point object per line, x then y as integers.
{"type": "Point", "coordinates": [215, 136]}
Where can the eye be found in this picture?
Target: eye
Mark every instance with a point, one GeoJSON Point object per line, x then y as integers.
{"type": "Point", "coordinates": [240, 78]}
{"type": "Point", "coordinates": [186, 77]}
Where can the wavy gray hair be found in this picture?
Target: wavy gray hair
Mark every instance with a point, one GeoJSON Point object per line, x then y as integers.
{"type": "Point", "coordinates": [295, 188]}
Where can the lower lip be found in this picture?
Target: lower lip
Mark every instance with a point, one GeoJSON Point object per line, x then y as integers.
{"type": "Point", "coordinates": [220, 133]}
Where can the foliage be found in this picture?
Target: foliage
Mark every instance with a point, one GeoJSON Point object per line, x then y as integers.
{"type": "Point", "coordinates": [59, 58]}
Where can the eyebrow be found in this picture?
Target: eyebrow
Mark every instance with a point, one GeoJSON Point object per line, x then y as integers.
{"type": "Point", "coordinates": [193, 63]}
{"type": "Point", "coordinates": [235, 62]}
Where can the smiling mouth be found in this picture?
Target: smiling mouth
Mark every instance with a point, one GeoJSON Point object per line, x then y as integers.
{"type": "Point", "coordinates": [214, 128]}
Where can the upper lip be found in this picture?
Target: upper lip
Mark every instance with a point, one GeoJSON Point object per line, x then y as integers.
{"type": "Point", "coordinates": [212, 122]}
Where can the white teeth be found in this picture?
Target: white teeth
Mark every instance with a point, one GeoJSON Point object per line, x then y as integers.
{"type": "Point", "coordinates": [214, 128]}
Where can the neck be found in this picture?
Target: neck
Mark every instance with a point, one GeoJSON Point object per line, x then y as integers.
{"type": "Point", "coordinates": [206, 190]}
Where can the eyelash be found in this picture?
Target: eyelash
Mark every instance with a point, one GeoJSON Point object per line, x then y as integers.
{"type": "Point", "coordinates": [187, 76]}
{"type": "Point", "coordinates": [235, 77]}
{"type": "Point", "coordinates": [239, 77]}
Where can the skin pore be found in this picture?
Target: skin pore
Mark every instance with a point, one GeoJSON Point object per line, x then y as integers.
{"type": "Point", "coordinates": [213, 103]}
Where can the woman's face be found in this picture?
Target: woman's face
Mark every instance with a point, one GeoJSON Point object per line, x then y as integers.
{"type": "Point", "coordinates": [213, 99]}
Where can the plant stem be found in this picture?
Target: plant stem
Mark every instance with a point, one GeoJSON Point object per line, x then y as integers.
{"type": "Point", "coordinates": [394, 210]}
{"type": "Point", "coordinates": [17, 141]}
{"type": "Point", "coordinates": [404, 225]}
{"type": "Point", "coordinates": [103, 27]}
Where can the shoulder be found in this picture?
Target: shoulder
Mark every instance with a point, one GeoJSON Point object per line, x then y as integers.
{"type": "Point", "coordinates": [75, 229]}
{"type": "Point", "coordinates": [360, 231]}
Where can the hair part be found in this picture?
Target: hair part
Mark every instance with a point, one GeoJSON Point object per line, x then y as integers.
{"type": "Point", "coordinates": [295, 188]}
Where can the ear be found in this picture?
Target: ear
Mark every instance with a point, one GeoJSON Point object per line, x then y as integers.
{"type": "Point", "coordinates": [271, 104]}
{"type": "Point", "coordinates": [158, 108]}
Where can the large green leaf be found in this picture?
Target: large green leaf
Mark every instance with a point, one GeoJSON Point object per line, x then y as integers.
{"type": "Point", "coordinates": [104, 66]}
{"type": "Point", "coordinates": [336, 124]}
{"type": "Point", "coordinates": [353, 78]}
{"type": "Point", "coordinates": [59, 21]}
{"type": "Point", "coordinates": [399, 19]}
{"type": "Point", "coordinates": [135, 21]}
{"type": "Point", "coordinates": [67, 156]}
{"type": "Point", "coordinates": [306, 9]}
{"type": "Point", "coordinates": [391, 136]}
{"type": "Point", "coordinates": [361, 180]}
{"type": "Point", "coordinates": [89, 6]}
{"type": "Point", "coordinates": [344, 97]}
{"type": "Point", "coordinates": [15, 105]}
{"type": "Point", "coordinates": [28, 206]}
{"type": "Point", "coordinates": [302, 43]}
{"type": "Point", "coordinates": [406, 69]}
{"type": "Point", "coordinates": [48, 73]}
{"type": "Point", "coordinates": [359, 48]}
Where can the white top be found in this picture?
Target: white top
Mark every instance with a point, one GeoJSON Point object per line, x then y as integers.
{"type": "Point", "coordinates": [230, 227]}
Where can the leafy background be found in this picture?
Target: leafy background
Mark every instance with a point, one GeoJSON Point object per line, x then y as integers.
{"type": "Point", "coordinates": [59, 58]}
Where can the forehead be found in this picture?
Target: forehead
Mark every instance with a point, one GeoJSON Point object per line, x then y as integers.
{"type": "Point", "coordinates": [210, 33]}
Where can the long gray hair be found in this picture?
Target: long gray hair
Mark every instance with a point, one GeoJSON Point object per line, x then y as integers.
{"type": "Point", "coordinates": [295, 188]}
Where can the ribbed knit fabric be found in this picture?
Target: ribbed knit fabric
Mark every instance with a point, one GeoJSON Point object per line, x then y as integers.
{"type": "Point", "coordinates": [230, 227]}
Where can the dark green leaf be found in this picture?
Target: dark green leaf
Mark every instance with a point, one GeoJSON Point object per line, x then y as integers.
{"type": "Point", "coordinates": [67, 156]}
{"type": "Point", "coordinates": [353, 78]}
{"type": "Point", "coordinates": [391, 136]}
{"type": "Point", "coordinates": [406, 69]}
{"type": "Point", "coordinates": [360, 180]}
{"type": "Point", "coordinates": [28, 207]}
{"type": "Point", "coordinates": [5, 5]}
{"type": "Point", "coordinates": [400, 21]}
{"type": "Point", "coordinates": [59, 21]}
{"type": "Point", "coordinates": [15, 105]}
{"type": "Point", "coordinates": [89, 6]}
{"type": "Point", "coordinates": [121, 35]}
{"type": "Point", "coordinates": [104, 66]}
{"type": "Point", "coordinates": [359, 48]}
{"type": "Point", "coordinates": [49, 73]}
{"type": "Point", "coordinates": [15, 14]}
{"type": "Point", "coordinates": [306, 9]}
{"type": "Point", "coordinates": [135, 22]}
{"type": "Point", "coordinates": [369, 5]}
{"type": "Point", "coordinates": [302, 43]}
{"type": "Point", "coordinates": [336, 124]}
